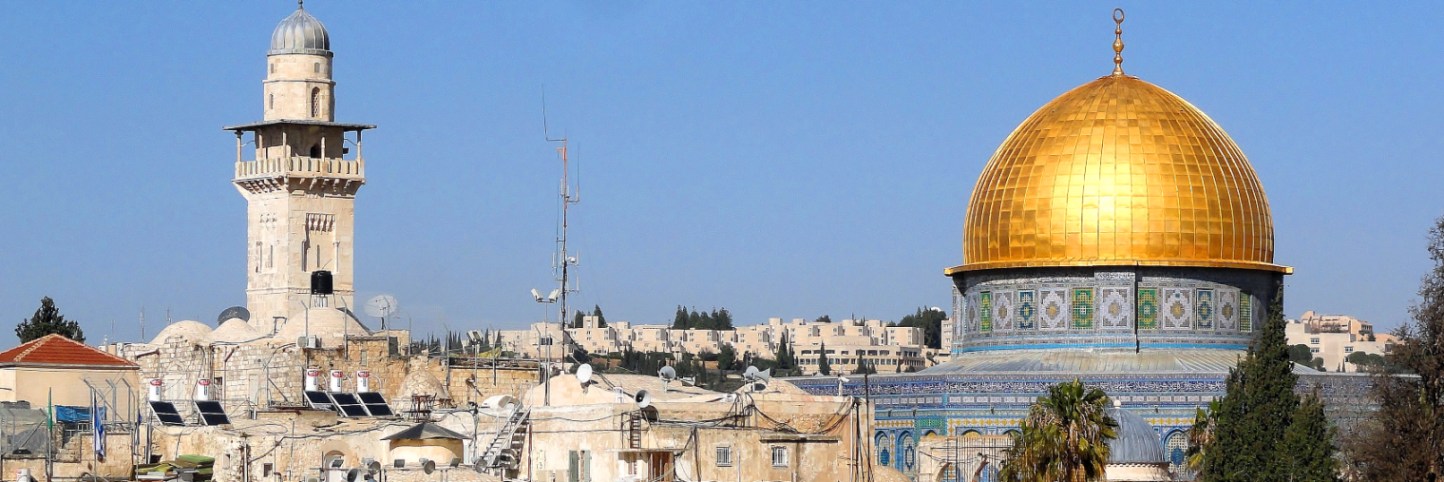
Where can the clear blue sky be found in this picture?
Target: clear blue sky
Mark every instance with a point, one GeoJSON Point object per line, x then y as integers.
{"type": "Point", "coordinates": [777, 158]}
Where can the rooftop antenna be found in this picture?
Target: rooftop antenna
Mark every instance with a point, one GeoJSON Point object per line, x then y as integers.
{"type": "Point", "coordinates": [562, 260]}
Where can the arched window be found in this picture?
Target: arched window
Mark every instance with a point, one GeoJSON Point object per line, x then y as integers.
{"type": "Point", "coordinates": [316, 67]}
{"type": "Point", "coordinates": [271, 98]}
{"type": "Point", "coordinates": [273, 67]}
{"type": "Point", "coordinates": [316, 151]}
{"type": "Point", "coordinates": [315, 102]}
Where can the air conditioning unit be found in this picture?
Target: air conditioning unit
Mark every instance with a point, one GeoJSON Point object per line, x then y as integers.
{"type": "Point", "coordinates": [312, 342]}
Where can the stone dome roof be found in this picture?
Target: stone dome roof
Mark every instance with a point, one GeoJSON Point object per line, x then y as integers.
{"type": "Point", "coordinates": [236, 330]}
{"type": "Point", "coordinates": [1137, 442]}
{"type": "Point", "coordinates": [1118, 172]}
{"type": "Point", "coordinates": [300, 33]}
{"type": "Point", "coordinates": [421, 382]}
{"type": "Point", "coordinates": [193, 331]}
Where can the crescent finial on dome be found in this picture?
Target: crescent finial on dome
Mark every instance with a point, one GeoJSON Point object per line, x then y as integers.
{"type": "Point", "coordinates": [1118, 41]}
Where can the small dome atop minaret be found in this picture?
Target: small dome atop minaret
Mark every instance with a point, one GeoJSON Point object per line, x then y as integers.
{"type": "Point", "coordinates": [300, 33]}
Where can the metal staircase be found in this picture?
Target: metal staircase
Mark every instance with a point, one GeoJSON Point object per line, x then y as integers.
{"type": "Point", "coordinates": [505, 449]}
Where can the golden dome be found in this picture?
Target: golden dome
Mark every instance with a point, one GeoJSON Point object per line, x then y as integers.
{"type": "Point", "coordinates": [1118, 172]}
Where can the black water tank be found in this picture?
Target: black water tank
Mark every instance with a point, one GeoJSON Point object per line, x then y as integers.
{"type": "Point", "coordinates": [321, 283]}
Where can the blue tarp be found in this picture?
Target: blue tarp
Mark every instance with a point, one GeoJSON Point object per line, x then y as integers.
{"type": "Point", "coordinates": [68, 413]}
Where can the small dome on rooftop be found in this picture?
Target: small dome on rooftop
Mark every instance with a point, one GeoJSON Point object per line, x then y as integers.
{"type": "Point", "coordinates": [195, 332]}
{"type": "Point", "coordinates": [300, 33]}
{"type": "Point", "coordinates": [1137, 441]}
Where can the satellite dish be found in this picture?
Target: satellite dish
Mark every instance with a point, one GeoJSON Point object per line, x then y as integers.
{"type": "Point", "coordinates": [353, 474]}
{"type": "Point", "coordinates": [428, 466]}
{"type": "Point", "coordinates": [499, 402]}
{"type": "Point", "coordinates": [382, 306]}
{"type": "Point", "coordinates": [584, 374]}
{"type": "Point", "coordinates": [234, 312]}
{"type": "Point", "coordinates": [643, 399]}
{"type": "Point", "coordinates": [667, 373]}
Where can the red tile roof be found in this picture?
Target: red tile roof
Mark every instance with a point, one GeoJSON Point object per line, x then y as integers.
{"type": "Point", "coordinates": [59, 350]}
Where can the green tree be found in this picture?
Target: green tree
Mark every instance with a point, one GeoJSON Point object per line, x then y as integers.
{"type": "Point", "coordinates": [823, 366]}
{"type": "Point", "coordinates": [783, 358]}
{"type": "Point", "coordinates": [823, 319]}
{"type": "Point", "coordinates": [577, 320]}
{"type": "Point", "coordinates": [680, 320]}
{"type": "Point", "coordinates": [1065, 437]}
{"type": "Point", "coordinates": [1404, 438]}
{"type": "Point", "coordinates": [1200, 435]}
{"type": "Point", "coordinates": [931, 321]}
{"type": "Point", "coordinates": [726, 357]}
{"type": "Point", "coordinates": [863, 367]}
{"type": "Point", "coordinates": [1301, 354]}
{"type": "Point", "coordinates": [1308, 444]}
{"type": "Point", "coordinates": [48, 320]}
{"type": "Point", "coordinates": [723, 319]}
{"type": "Point", "coordinates": [601, 319]}
{"type": "Point", "coordinates": [1254, 419]}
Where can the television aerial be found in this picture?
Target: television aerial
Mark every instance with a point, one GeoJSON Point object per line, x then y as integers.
{"type": "Point", "coordinates": [234, 312]}
{"type": "Point", "coordinates": [382, 306]}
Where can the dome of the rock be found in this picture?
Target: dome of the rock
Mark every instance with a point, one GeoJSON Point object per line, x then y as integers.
{"type": "Point", "coordinates": [1118, 171]}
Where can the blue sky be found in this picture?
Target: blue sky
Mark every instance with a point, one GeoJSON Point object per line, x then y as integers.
{"type": "Point", "coordinates": [777, 158]}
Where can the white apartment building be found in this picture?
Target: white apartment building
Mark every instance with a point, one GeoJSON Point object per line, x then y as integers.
{"type": "Point", "coordinates": [1335, 337]}
{"type": "Point", "coordinates": [889, 349]}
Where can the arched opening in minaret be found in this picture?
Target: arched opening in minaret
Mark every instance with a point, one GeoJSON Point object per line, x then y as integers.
{"type": "Point", "coordinates": [316, 151]}
{"type": "Point", "coordinates": [316, 102]}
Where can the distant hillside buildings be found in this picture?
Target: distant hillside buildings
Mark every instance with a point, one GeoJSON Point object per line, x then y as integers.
{"type": "Point", "coordinates": [889, 349]}
{"type": "Point", "coordinates": [1334, 337]}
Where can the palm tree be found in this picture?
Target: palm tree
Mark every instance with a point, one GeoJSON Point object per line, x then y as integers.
{"type": "Point", "coordinates": [1064, 438]}
{"type": "Point", "coordinates": [1200, 435]}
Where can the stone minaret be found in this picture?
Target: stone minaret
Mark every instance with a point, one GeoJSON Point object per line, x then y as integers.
{"type": "Point", "coordinates": [300, 188]}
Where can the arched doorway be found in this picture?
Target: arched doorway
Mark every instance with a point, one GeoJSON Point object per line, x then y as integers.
{"type": "Point", "coordinates": [883, 446]}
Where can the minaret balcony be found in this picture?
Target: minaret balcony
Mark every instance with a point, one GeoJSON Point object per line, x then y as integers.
{"type": "Point", "coordinates": [302, 167]}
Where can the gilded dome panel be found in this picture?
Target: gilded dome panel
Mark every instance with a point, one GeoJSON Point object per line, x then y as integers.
{"type": "Point", "coordinates": [1118, 172]}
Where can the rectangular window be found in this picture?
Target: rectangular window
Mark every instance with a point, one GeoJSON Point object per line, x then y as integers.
{"type": "Point", "coordinates": [1313, 349]}
{"type": "Point", "coordinates": [1348, 349]}
{"type": "Point", "coordinates": [779, 456]}
{"type": "Point", "coordinates": [1314, 340]}
{"type": "Point", "coordinates": [724, 456]}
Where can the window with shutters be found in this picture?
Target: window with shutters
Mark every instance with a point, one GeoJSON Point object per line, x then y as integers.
{"type": "Point", "coordinates": [579, 466]}
{"type": "Point", "coordinates": [316, 102]}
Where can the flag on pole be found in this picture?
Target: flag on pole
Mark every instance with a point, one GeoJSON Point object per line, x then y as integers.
{"type": "Point", "coordinates": [98, 428]}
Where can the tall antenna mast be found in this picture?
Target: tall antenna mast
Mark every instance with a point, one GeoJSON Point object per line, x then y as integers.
{"type": "Point", "coordinates": [562, 264]}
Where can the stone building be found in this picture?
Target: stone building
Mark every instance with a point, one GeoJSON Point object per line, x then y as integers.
{"type": "Point", "coordinates": [598, 431]}
{"type": "Point", "coordinates": [1334, 337]}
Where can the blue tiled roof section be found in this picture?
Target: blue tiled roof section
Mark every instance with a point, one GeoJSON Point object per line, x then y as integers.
{"type": "Point", "coordinates": [1137, 442]}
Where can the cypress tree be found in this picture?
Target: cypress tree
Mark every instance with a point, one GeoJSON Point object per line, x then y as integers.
{"type": "Point", "coordinates": [1308, 444]}
{"type": "Point", "coordinates": [823, 366]}
{"type": "Point", "coordinates": [1261, 431]}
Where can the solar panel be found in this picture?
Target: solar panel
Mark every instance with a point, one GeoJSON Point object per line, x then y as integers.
{"type": "Point", "coordinates": [212, 413]}
{"type": "Point", "coordinates": [319, 401]}
{"type": "Point", "coordinates": [168, 415]}
{"type": "Point", "coordinates": [376, 404]}
{"type": "Point", "coordinates": [349, 405]}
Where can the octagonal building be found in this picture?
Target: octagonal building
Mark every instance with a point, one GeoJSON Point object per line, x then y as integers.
{"type": "Point", "coordinates": [1117, 236]}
